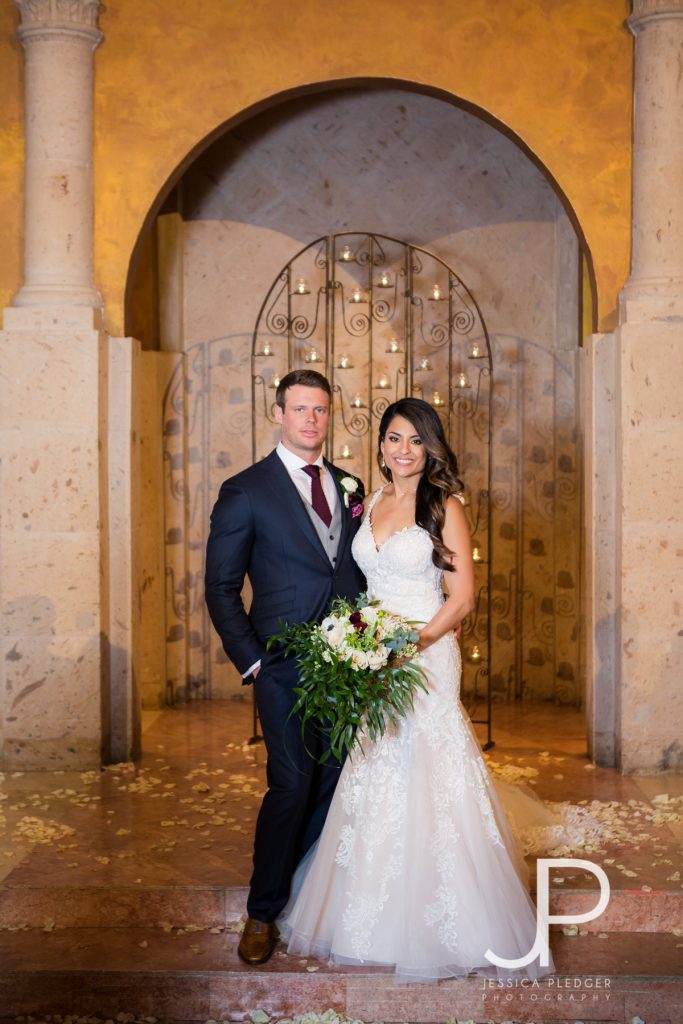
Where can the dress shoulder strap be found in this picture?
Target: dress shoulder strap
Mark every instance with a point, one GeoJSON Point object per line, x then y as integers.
{"type": "Point", "coordinates": [375, 497]}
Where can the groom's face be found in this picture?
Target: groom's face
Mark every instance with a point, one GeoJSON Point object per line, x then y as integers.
{"type": "Point", "coordinates": [303, 421]}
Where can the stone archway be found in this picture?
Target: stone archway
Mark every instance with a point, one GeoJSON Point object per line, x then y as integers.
{"type": "Point", "coordinates": [165, 201]}
{"type": "Point", "coordinates": [219, 316]}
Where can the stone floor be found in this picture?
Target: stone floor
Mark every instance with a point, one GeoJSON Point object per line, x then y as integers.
{"type": "Point", "coordinates": [122, 890]}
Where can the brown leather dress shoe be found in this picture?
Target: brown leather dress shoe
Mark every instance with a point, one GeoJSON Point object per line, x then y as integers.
{"type": "Point", "coordinates": [258, 941]}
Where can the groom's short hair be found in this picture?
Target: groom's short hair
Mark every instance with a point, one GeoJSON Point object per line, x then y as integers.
{"type": "Point", "coordinates": [307, 378]}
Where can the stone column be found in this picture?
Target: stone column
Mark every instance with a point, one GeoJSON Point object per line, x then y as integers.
{"type": "Point", "coordinates": [59, 37]}
{"type": "Point", "coordinates": [635, 489]}
{"type": "Point", "coordinates": [57, 451]}
{"type": "Point", "coordinates": [657, 255]}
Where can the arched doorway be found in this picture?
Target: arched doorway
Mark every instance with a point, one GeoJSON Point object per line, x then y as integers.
{"type": "Point", "coordinates": [421, 167]}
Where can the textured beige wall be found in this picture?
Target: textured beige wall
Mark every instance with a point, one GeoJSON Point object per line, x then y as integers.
{"type": "Point", "coordinates": [156, 370]}
{"type": "Point", "coordinates": [649, 484]}
{"type": "Point", "coordinates": [11, 156]}
{"type": "Point", "coordinates": [52, 611]}
{"type": "Point", "coordinates": [555, 72]}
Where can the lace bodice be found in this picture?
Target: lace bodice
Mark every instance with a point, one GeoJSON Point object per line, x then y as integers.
{"type": "Point", "coordinates": [400, 572]}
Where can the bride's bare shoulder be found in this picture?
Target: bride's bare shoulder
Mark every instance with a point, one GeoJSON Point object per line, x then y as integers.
{"type": "Point", "coordinates": [455, 510]}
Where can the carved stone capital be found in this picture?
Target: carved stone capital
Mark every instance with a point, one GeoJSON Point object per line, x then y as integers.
{"type": "Point", "coordinates": [46, 19]}
{"type": "Point", "coordinates": [647, 11]}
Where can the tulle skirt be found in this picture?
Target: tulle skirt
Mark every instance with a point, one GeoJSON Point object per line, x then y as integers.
{"type": "Point", "coordinates": [417, 867]}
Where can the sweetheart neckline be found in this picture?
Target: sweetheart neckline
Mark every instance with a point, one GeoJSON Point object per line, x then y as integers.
{"type": "Point", "coordinates": [411, 526]}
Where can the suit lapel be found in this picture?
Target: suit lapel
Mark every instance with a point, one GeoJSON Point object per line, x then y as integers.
{"type": "Point", "coordinates": [288, 498]}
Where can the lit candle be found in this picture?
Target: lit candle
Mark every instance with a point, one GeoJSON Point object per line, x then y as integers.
{"type": "Point", "coordinates": [357, 403]}
{"type": "Point", "coordinates": [385, 279]}
{"type": "Point", "coordinates": [313, 356]}
{"type": "Point", "coordinates": [267, 350]}
{"type": "Point", "coordinates": [461, 381]}
{"type": "Point", "coordinates": [437, 399]}
{"type": "Point", "coordinates": [275, 382]}
{"type": "Point", "coordinates": [346, 254]}
{"type": "Point", "coordinates": [302, 287]}
{"type": "Point", "coordinates": [393, 345]}
{"type": "Point", "coordinates": [357, 295]}
{"type": "Point", "coordinates": [436, 293]}
{"type": "Point", "coordinates": [424, 364]}
{"type": "Point", "coordinates": [383, 382]}
{"type": "Point", "coordinates": [476, 555]}
{"type": "Point", "coordinates": [345, 452]}
{"type": "Point", "coordinates": [345, 363]}
{"type": "Point", "coordinates": [476, 653]}
{"type": "Point", "coordinates": [475, 351]}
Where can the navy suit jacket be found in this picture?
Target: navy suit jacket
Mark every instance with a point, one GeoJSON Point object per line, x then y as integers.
{"type": "Point", "coordinates": [261, 529]}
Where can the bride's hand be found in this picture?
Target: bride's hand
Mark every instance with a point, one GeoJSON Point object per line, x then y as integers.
{"type": "Point", "coordinates": [423, 641]}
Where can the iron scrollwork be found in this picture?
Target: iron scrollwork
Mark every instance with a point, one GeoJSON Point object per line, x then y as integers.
{"type": "Point", "coordinates": [365, 310]}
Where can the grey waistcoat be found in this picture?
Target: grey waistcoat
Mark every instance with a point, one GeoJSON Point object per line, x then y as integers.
{"type": "Point", "coordinates": [325, 532]}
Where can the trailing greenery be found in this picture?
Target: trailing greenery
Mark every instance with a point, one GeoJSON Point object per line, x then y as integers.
{"type": "Point", "coordinates": [356, 669]}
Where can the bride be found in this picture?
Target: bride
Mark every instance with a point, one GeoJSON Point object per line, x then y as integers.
{"type": "Point", "coordinates": [416, 867]}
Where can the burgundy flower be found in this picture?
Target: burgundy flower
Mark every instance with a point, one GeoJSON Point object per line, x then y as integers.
{"type": "Point", "coordinates": [357, 622]}
{"type": "Point", "coordinates": [356, 505]}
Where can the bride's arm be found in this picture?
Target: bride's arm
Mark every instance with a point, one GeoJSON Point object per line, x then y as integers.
{"type": "Point", "coordinates": [459, 580]}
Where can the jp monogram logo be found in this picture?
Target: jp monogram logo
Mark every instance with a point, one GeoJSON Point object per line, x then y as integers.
{"type": "Point", "coordinates": [543, 916]}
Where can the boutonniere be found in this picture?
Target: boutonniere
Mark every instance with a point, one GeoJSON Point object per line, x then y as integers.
{"type": "Point", "coordinates": [352, 499]}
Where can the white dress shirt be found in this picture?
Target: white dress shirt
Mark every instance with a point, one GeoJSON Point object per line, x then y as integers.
{"type": "Point", "coordinates": [294, 465]}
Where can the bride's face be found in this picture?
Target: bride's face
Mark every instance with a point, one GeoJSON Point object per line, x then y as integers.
{"type": "Point", "coordinates": [403, 451]}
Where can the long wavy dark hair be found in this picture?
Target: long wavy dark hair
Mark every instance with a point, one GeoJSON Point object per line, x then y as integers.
{"type": "Point", "coordinates": [439, 479]}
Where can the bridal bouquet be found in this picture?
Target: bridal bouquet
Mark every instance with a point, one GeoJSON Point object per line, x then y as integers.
{"type": "Point", "coordinates": [355, 668]}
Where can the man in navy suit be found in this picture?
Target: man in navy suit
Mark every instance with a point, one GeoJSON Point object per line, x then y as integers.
{"type": "Point", "coordinates": [286, 523]}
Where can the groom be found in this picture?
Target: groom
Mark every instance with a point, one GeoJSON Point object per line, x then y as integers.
{"type": "Point", "coordinates": [287, 523]}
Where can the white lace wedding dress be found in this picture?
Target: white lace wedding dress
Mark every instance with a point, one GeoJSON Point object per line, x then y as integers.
{"type": "Point", "coordinates": [416, 866]}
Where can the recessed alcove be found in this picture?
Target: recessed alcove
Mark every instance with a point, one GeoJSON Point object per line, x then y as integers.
{"type": "Point", "coordinates": [413, 166]}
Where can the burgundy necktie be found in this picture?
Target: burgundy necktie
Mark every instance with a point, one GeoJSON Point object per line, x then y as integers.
{"type": "Point", "coordinates": [318, 499]}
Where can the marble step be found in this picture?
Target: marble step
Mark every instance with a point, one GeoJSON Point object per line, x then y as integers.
{"type": "Point", "coordinates": [197, 976]}
{"type": "Point", "coordinates": [629, 909]}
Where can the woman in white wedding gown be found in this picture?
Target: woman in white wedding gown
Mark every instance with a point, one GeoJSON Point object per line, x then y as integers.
{"type": "Point", "coordinates": [416, 867]}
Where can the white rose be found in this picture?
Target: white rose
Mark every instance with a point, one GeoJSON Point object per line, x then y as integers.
{"type": "Point", "coordinates": [369, 614]}
{"type": "Point", "coordinates": [360, 659]}
{"type": "Point", "coordinates": [349, 483]}
{"type": "Point", "coordinates": [378, 659]}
